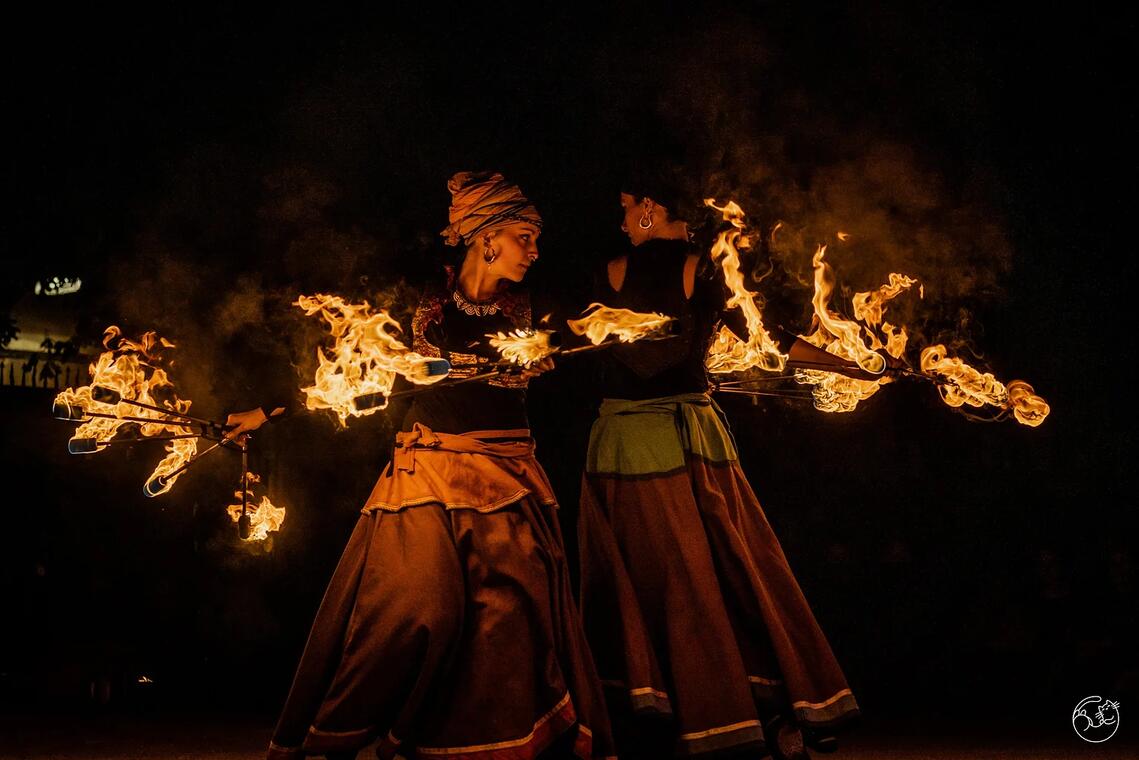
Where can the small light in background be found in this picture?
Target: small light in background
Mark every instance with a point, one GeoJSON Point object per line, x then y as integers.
{"type": "Point", "coordinates": [58, 286]}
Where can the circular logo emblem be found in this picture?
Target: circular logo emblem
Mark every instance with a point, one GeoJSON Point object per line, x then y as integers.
{"type": "Point", "coordinates": [1096, 720]}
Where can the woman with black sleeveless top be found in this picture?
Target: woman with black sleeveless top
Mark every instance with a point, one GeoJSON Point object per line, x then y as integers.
{"type": "Point", "coordinates": [689, 604]}
{"type": "Point", "coordinates": [449, 628]}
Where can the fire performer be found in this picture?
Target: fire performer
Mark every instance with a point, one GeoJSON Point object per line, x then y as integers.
{"type": "Point", "coordinates": [449, 626]}
{"type": "Point", "coordinates": [688, 600]}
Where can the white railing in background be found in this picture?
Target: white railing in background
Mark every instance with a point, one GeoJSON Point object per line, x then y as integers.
{"type": "Point", "coordinates": [34, 369]}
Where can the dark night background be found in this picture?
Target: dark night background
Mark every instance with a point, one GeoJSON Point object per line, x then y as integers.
{"type": "Point", "coordinates": [200, 167]}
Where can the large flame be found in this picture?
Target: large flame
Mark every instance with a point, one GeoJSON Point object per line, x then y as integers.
{"type": "Point", "coordinates": [604, 322]}
{"type": "Point", "coordinates": [856, 342]}
{"type": "Point", "coordinates": [364, 359]}
{"type": "Point", "coordinates": [523, 346]}
{"type": "Point", "coordinates": [958, 383]}
{"type": "Point", "coordinates": [966, 385]}
{"type": "Point", "coordinates": [727, 352]}
{"type": "Point", "coordinates": [128, 367]}
{"type": "Point", "coordinates": [264, 517]}
{"type": "Point", "coordinates": [870, 307]}
{"type": "Point", "coordinates": [863, 342]}
{"type": "Point", "coordinates": [845, 337]}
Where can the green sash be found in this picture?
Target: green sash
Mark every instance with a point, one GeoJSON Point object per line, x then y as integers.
{"type": "Point", "coordinates": [657, 435]}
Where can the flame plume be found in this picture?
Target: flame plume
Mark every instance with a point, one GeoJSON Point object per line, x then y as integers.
{"type": "Point", "coordinates": [959, 384]}
{"type": "Point", "coordinates": [727, 352]}
{"type": "Point", "coordinates": [870, 308]}
{"type": "Point", "coordinates": [364, 359]}
{"type": "Point", "coordinates": [128, 367]}
{"type": "Point", "coordinates": [265, 517]}
{"type": "Point", "coordinates": [626, 326]}
{"type": "Point", "coordinates": [846, 336]}
{"type": "Point", "coordinates": [968, 386]}
{"type": "Point", "coordinates": [1027, 408]}
{"type": "Point", "coordinates": [865, 342]}
{"type": "Point", "coordinates": [178, 452]}
{"type": "Point", "coordinates": [523, 346]}
{"type": "Point", "coordinates": [833, 392]}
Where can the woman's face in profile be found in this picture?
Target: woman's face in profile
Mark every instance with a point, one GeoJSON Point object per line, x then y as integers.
{"type": "Point", "coordinates": [516, 246]}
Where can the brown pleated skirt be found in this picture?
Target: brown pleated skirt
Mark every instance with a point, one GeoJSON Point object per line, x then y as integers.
{"type": "Point", "coordinates": [449, 631]}
{"type": "Point", "coordinates": [688, 600]}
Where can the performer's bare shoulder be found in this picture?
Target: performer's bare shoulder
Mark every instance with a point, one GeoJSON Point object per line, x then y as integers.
{"type": "Point", "coordinates": [617, 269]}
{"type": "Point", "coordinates": [690, 266]}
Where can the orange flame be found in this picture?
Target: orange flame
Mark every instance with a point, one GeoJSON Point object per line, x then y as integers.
{"type": "Point", "coordinates": [859, 342]}
{"type": "Point", "coordinates": [727, 352]}
{"type": "Point", "coordinates": [846, 336]}
{"type": "Point", "coordinates": [969, 386]}
{"type": "Point", "coordinates": [523, 346]}
{"type": "Point", "coordinates": [264, 517]}
{"type": "Point", "coordinates": [1027, 408]}
{"type": "Point", "coordinates": [128, 368]}
{"type": "Point", "coordinates": [178, 452]}
{"type": "Point", "coordinates": [149, 345]}
{"type": "Point", "coordinates": [625, 325]}
{"type": "Point", "coordinates": [870, 307]}
{"type": "Point", "coordinates": [365, 357]}
{"type": "Point", "coordinates": [833, 392]}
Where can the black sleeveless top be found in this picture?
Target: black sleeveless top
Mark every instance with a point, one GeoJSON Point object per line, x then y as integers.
{"type": "Point", "coordinates": [443, 329]}
{"type": "Point", "coordinates": [654, 281]}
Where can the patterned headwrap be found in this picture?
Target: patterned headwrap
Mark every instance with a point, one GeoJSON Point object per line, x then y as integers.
{"type": "Point", "coordinates": [482, 201]}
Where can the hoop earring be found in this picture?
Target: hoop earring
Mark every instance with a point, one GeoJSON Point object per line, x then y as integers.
{"type": "Point", "coordinates": [642, 222]}
{"type": "Point", "coordinates": [489, 255]}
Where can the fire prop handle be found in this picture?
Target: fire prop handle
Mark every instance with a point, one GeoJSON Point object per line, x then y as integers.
{"type": "Point", "coordinates": [372, 400]}
{"type": "Point", "coordinates": [670, 330]}
{"type": "Point", "coordinates": [154, 486]}
{"type": "Point", "coordinates": [744, 387]}
{"type": "Point", "coordinates": [245, 522]}
{"type": "Point", "coordinates": [789, 393]}
{"type": "Point", "coordinates": [91, 445]}
{"type": "Point", "coordinates": [76, 413]}
{"type": "Point", "coordinates": [111, 396]}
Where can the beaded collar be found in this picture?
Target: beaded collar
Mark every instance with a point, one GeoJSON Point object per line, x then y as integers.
{"type": "Point", "coordinates": [473, 308]}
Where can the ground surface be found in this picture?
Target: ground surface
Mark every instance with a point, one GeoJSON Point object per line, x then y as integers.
{"type": "Point", "coordinates": [188, 736]}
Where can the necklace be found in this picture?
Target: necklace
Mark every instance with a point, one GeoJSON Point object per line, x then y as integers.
{"type": "Point", "coordinates": [473, 308]}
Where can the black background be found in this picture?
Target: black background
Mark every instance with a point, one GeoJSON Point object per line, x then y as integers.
{"type": "Point", "coordinates": [199, 167]}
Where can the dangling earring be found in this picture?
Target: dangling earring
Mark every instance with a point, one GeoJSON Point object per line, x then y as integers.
{"type": "Point", "coordinates": [646, 221]}
{"type": "Point", "coordinates": [489, 255]}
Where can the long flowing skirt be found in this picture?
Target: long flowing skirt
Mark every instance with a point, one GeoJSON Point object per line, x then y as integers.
{"type": "Point", "coordinates": [688, 600]}
{"type": "Point", "coordinates": [449, 627]}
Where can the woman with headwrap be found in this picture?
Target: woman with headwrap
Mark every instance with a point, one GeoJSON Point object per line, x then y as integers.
{"type": "Point", "coordinates": [688, 601]}
{"type": "Point", "coordinates": [449, 627]}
